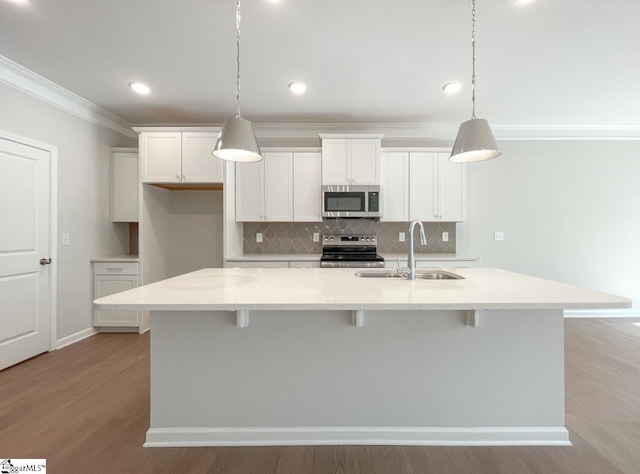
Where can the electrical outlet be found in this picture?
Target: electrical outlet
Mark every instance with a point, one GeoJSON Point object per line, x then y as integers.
{"type": "Point", "coordinates": [498, 236]}
{"type": "Point", "coordinates": [401, 236]}
{"type": "Point", "coordinates": [259, 237]}
{"type": "Point", "coordinates": [66, 239]}
{"type": "Point", "coordinates": [445, 236]}
{"type": "Point", "coordinates": [316, 236]}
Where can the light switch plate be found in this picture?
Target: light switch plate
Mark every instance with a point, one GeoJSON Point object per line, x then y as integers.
{"type": "Point", "coordinates": [498, 236]}
{"type": "Point", "coordinates": [401, 236]}
{"type": "Point", "coordinates": [259, 237]}
{"type": "Point", "coordinates": [66, 239]}
{"type": "Point", "coordinates": [445, 236]}
{"type": "Point", "coordinates": [316, 236]}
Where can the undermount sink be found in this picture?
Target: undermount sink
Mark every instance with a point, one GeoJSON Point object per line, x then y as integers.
{"type": "Point", "coordinates": [420, 275]}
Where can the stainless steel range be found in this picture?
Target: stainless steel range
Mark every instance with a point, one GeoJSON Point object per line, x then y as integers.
{"type": "Point", "coordinates": [350, 251]}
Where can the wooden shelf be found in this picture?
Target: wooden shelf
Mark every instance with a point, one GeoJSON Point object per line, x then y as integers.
{"type": "Point", "coordinates": [189, 186]}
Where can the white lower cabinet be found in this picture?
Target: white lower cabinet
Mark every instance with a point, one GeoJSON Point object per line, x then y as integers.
{"type": "Point", "coordinates": [109, 278]}
{"type": "Point", "coordinates": [258, 264]}
{"type": "Point", "coordinates": [274, 264]}
{"type": "Point", "coordinates": [402, 263]}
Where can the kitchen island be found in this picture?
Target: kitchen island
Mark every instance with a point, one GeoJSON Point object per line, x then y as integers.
{"type": "Point", "coordinates": [255, 356]}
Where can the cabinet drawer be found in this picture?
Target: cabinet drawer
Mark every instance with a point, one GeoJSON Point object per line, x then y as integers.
{"type": "Point", "coordinates": [258, 264]}
{"type": "Point", "coordinates": [115, 268]}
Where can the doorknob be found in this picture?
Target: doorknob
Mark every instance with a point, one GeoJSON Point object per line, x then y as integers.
{"type": "Point", "coordinates": [45, 261]}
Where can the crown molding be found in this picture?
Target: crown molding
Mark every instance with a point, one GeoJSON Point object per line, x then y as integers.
{"type": "Point", "coordinates": [21, 78]}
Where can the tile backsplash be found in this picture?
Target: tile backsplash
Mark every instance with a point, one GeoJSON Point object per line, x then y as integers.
{"type": "Point", "coordinates": [297, 237]}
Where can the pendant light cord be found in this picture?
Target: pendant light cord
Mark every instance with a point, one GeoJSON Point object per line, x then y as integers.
{"type": "Point", "coordinates": [473, 59]}
{"type": "Point", "coordinates": [238, 59]}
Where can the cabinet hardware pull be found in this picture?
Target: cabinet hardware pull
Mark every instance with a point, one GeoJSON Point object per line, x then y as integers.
{"type": "Point", "coordinates": [114, 269]}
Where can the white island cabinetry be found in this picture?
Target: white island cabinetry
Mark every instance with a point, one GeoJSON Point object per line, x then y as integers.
{"type": "Point", "coordinates": [325, 357]}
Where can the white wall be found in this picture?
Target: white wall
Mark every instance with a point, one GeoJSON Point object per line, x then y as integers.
{"type": "Point", "coordinates": [182, 231]}
{"type": "Point", "coordinates": [83, 195]}
{"type": "Point", "coordinates": [570, 211]}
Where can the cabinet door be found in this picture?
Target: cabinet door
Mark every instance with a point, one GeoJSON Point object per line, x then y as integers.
{"type": "Point", "coordinates": [452, 189]}
{"type": "Point", "coordinates": [395, 187]}
{"type": "Point", "coordinates": [161, 156]}
{"type": "Point", "coordinates": [423, 174]}
{"type": "Point", "coordinates": [365, 161]}
{"type": "Point", "coordinates": [336, 156]}
{"type": "Point", "coordinates": [307, 187]}
{"type": "Point", "coordinates": [105, 285]}
{"type": "Point", "coordinates": [250, 192]}
{"type": "Point", "coordinates": [198, 164]}
{"type": "Point", "coordinates": [278, 187]}
{"type": "Point", "coordinates": [124, 187]}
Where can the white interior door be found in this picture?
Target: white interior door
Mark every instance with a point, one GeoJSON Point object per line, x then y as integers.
{"type": "Point", "coordinates": [25, 310]}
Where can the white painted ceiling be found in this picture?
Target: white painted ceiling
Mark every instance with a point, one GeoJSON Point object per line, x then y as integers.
{"type": "Point", "coordinates": [551, 62]}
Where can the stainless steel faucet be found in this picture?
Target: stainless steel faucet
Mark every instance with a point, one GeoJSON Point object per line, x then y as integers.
{"type": "Point", "coordinates": [411, 262]}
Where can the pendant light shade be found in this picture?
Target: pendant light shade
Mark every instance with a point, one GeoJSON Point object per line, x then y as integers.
{"type": "Point", "coordinates": [237, 142]}
{"type": "Point", "coordinates": [474, 142]}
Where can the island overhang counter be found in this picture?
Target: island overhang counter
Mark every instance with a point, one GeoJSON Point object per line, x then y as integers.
{"type": "Point", "coordinates": [256, 356]}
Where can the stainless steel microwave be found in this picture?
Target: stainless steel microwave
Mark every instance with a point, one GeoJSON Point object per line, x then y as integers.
{"type": "Point", "coordinates": [350, 201]}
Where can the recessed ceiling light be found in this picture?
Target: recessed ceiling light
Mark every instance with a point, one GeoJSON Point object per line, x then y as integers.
{"type": "Point", "coordinates": [297, 87]}
{"type": "Point", "coordinates": [18, 1]}
{"type": "Point", "coordinates": [140, 88]}
{"type": "Point", "coordinates": [524, 1]}
{"type": "Point", "coordinates": [451, 87]}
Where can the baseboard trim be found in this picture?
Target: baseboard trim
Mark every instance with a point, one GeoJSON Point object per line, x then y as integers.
{"type": "Point", "coordinates": [73, 338]}
{"type": "Point", "coordinates": [602, 313]}
{"type": "Point", "coordinates": [409, 436]}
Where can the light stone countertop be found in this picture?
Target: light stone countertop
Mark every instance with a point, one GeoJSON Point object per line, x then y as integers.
{"type": "Point", "coordinates": [231, 289]}
{"type": "Point", "coordinates": [309, 257]}
{"type": "Point", "coordinates": [116, 258]}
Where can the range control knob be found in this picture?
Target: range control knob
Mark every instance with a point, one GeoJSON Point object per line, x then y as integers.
{"type": "Point", "coordinates": [361, 239]}
{"type": "Point", "coordinates": [368, 239]}
{"type": "Point", "coordinates": [331, 239]}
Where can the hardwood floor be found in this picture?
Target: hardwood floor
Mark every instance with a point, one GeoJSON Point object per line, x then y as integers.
{"type": "Point", "coordinates": [86, 409]}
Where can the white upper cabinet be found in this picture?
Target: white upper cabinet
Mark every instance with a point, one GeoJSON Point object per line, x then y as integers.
{"type": "Point", "coordinates": [124, 186]}
{"type": "Point", "coordinates": [422, 185]}
{"type": "Point", "coordinates": [161, 157]}
{"type": "Point", "coordinates": [198, 164]}
{"type": "Point", "coordinates": [452, 190]}
{"type": "Point", "coordinates": [354, 161]}
{"type": "Point", "coordinates": [395, 186]}
{"type": "Point", "coordinates": [307, 187]}
{"type": "Point", "coordinates": [284, 187]}
{"type": "Point", "coordinates": [179, 157]}
{"type": "Point", "coordinates": [438, 188]}
{"type": "Point", "coordinates": [264, 190]}
{"type": "Point", "coordinates": [250, 192]}
{"type": "Point", "coordinates": [278, 187]}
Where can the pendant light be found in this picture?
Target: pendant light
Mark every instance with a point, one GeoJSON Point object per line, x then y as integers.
{"type": "Point", "coordinates": [237, 140]}
{"type": "Point", "coordinates": [475, 141]}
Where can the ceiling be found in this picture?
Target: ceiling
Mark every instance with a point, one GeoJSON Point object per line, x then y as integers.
{"type": "Point", "coordinates": [547, 63]}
